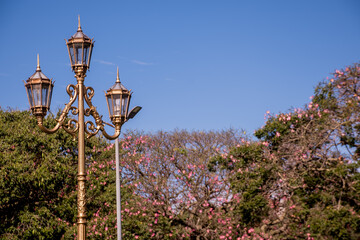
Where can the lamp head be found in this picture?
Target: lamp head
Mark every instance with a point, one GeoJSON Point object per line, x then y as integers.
{"type": "Point", "coordinates": [80, 48]}
{"type": "Point", "coordinates": [118, 101]}
{"type": "Point", "coordinates": [39, 91]}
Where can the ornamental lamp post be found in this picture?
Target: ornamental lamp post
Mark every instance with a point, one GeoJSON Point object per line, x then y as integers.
{"type": "Point", "coordinates": [118, 100]}
{"type": "Point", "coordinates": [39, 92]}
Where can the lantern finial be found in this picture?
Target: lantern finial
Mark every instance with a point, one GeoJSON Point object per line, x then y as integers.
{"type": "Point", "coordinates": [79, 26]}
{"type": "Point", "coordinates": [117, 77]}
{"type": "Point", "coordinates": [38, 64]}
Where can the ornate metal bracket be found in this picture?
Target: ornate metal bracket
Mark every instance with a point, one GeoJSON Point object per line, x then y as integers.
{"type": "Point", "coordinates": [92, 129]}
{"type": "Point", "coordinates": [72, 125]}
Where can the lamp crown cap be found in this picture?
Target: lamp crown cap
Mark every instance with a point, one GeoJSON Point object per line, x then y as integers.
{"type": "Point", "coordinates": [118, 85]}
{"type": "Point", "coordinates": [38, 74]}
{"type": "Point", "coordinates": [79, 25]}
{"type": "Point", "coordinates": [38, 64]}
{"type": "Point", "coordinates": [79, 33]}
{"type": "Point", "coordinates": [117, 76]}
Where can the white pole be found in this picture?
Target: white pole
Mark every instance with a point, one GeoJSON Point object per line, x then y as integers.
{"type": "Point", "coordinates": [118, 194]}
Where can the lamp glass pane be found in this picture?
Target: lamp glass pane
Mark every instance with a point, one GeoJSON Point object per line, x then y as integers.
{"type": "Point", "coordinates": [86, 52]}
{"type": "Point", "coordinates": [71, 50]}
{"type": "Point", "coordinates": [109, 100]}
{"type": "Point", "coordinates": [117, 104]}
{"type": "Point", "coordinates": [89, 54]}
{"type": "Point", "coordinates": [124, 105]}
{"type": "Point", "coordinates": [37, 94]}
{"type": "Point", "coordinates": [45, 91]}
{"type": "Point", "coordinates": [78, 53]}
{"type": "Point", "coordinates": [30, 96]}
{"type": "Point", "coordinates": [50, 95]}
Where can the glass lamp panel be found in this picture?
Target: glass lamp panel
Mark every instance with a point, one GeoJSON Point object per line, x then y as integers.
{"type": "Point", "coordinates": [89, 54]}
{"type": "Point", "coordinates": [110, 105]}
{"type": "Point", "coordinates": [78, 52]}
{"type": "Point", "coordinates": [71, 50]}
{"type": "Point", "coordinates": [117, 104]}
{"type": "Point", "coordinates": [44, 94]}
{"type": "Point", "coordinates": [30, 96]}
{"type": "Point", "coordinates": [86, 54]}
{"type": "Point", "coordinates": [124, 105]}
{"type": "Point", "coordinates": [50, 95]}
{"type": "Point", "coordinates": [36, 89]}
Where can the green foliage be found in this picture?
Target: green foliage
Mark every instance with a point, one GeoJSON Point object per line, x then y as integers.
{"type": "Point", "coordinates": [37, 178]}
{"type": "Point", "coordinates": [341, 97]}
{"type": "Point", "coordinates": [301, 180]}
{"type": "Point", "coordinates": [251, 172]}
{"type": "Point", "coordinates": [334, 223]}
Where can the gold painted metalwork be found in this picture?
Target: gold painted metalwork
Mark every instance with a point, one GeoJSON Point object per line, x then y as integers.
{"type": "Point", "coordinates": [80, 129]}
{"type": "Point", "coordinates": [76, 127]}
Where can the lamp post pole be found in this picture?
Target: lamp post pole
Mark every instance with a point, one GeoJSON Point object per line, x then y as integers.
{"type": "Point", "coordinates": [118, 188]}
{"type": "Point", "coordinates": [81, 199]}
{"type": "Point", "coordinates": [39, 92]}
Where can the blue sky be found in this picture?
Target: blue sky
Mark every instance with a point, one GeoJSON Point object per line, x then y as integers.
{"type": "Point", "coordinates": [196, 65]}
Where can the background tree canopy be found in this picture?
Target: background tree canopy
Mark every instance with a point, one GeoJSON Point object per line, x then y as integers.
{"type": "Point", "coordinates": [298, 180]}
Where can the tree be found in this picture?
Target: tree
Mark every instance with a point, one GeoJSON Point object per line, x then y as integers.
{"type": "Point", "coordinates": [306, 164]}
{"type": "Point", "coordinates": [177, 196]}
{"type": "Point", "coordinates": [167, 189]}
{"type": "Point", "coordinates": [37, 178]}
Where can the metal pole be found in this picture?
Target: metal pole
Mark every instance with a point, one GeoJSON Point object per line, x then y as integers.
{"type": "Point", "coordinates": [118, 193]}
{"type": "Point", "coordinates": [81, 201]}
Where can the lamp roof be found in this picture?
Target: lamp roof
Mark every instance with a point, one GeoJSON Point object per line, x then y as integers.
{"type": "Point", "coordinates": [38, 74]}
{"type": "Point", "coordinates": [118, 85]}
{"type": "Point", "coordinates": [79, 33]}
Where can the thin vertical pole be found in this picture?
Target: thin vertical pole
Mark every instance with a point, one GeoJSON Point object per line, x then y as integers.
{"type": "Point", "coordinates": [118, 193]}
{"type": "Point", "coordinates": [81, 201]}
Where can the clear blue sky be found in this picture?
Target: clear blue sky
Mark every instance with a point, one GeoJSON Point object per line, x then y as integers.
{"type": "Point", "coordinates": [196, 65]}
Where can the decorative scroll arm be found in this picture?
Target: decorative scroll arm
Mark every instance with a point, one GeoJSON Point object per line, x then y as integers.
{"type": "Point", "coordinates": [73, 93]}
{"type": "Point", "coordinates": [111, 137]}
{"type": "Point", "coordinates": [91, 128]}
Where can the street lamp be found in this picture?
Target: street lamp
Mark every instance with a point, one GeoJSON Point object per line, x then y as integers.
{"type": "Point", "coordinates": [80, 48]}
{"type": "Point", "coordinates": [39, 91]}
{"type": "Point", "coordinates": [118, 99]}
